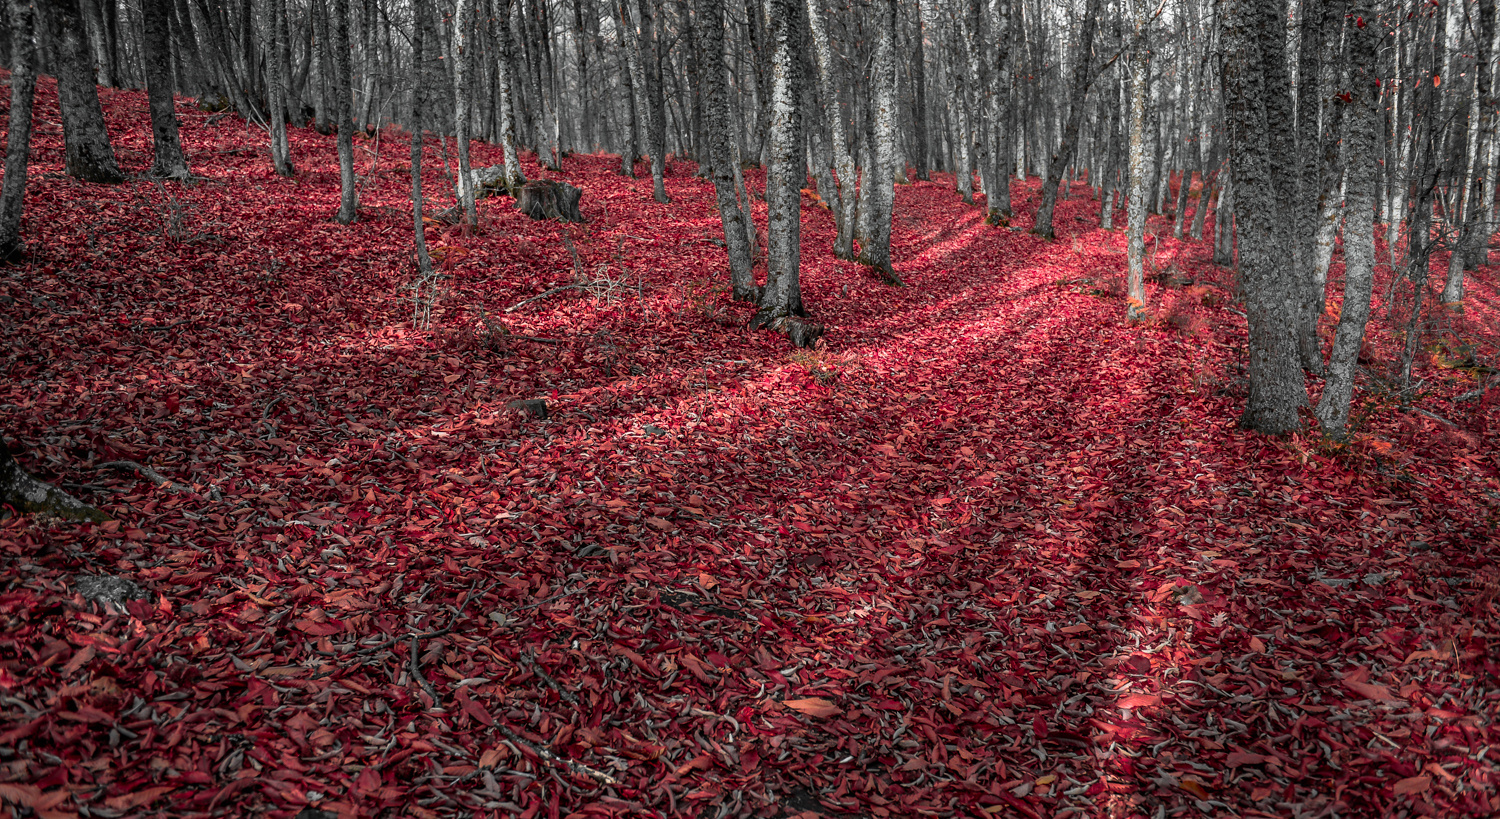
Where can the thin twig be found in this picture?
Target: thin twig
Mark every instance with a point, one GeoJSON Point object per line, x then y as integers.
{"type": "Point", "coordinates": [537, 669]}
{"type": "Point", "coordinates": [520, 304]}
{"type": "Point", "coordinates": [151, 475]}
{"type": "Point", "coordinates": [416, 671]}
{"type": "Point", "coordinates": [547, 754]}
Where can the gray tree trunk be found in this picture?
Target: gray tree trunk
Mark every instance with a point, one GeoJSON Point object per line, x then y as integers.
{"type": "Point", "coordinates": [631, 149]}
{"type": "Point", "coordinates": [88, 155]}
{"type": "Point", "coordinates": [919, 102]}
{"type": "Point", "coordinates": [281, 158]}
{"type": "Point", "coordinates": [1481, 117]}
{"type": "Point", "coordinates": [344, 112]}
{"type": "Point", "coordinates": [1304, 227]}
{"type": "Point", "coordinates": [1082, 65]}
{"type": "Point", "coordinates": [18, 132]}
{"type": "Point", "coordinates": [462, 61]}
{"type": "Point", "coordinates": [716, 121]}
{"type": "Point", "coordinates": [876, 251]}
{"type": "Point", "coordinates": [833, 120]}
{"type": "Point", "coordinates": [418, 138]}
{"type": "Point", "coordinates": [1135, 218]}
{"type": "Point", "coordinates": [781, 300]}
{"type": "Point", "coordinates": [169, 162]}
{"type": "Point", "coordinates": [656, 122]}
{"type": "Point", "coordinates": [514, 176]}
{"type": "Point", "coordinates": [997, 201]}
{"type": "Point", "coordinates": [1258, 105]}
{"type": "Point", "coordinates": [1362, 130]}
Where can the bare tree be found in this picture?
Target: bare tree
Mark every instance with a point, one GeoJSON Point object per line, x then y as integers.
{"type": "Point", "coordinates": [88, 155]}
{"type": "Point", "coordinates": [1362, 124]}
{"type": "Point", "coordinates": [876, 251]}
{"type": "Point", "coordinates": [781, 300]}
{"type": "Point", "coordinates": [18, 131]}
{"type": "Point", "coordinates": [716, 121]}
{"type": "Point", "coordinates": [1258, 103]}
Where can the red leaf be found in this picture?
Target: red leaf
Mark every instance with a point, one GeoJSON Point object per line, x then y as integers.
{"type": "Point", "coordinates": [1412, 785]}
{"type": "Point", "coordinates": [814, 707]}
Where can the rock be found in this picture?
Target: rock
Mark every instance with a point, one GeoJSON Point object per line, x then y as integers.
{"type": "Point", "coordinates": [535, 407]}
{"type": "Point", "coordinates": [108, 589]}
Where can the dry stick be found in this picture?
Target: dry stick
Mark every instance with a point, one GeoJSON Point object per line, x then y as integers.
{"type": "Point", "coordinates": [520, 304]}
{"type": "Point", "coordinates": [151, 475]}
{"type": "Point", "coordinates": [416, 672]}
{"type": "Point", "coordinates": [547, 754]}
{"type": "Point", "coordinates": [537, 669]}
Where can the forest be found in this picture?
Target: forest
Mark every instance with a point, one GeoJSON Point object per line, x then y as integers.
{"type": "Point", "coordinates": [749, 408]}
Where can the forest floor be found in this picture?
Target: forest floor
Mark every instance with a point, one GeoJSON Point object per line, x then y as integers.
{"type": "Point", "coordinates": [987, 551]}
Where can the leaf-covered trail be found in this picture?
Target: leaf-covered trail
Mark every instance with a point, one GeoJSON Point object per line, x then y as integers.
{"type": "Point", "coordinates": [989, 551]}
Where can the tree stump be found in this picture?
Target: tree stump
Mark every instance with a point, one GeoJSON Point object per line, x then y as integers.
{"type": "Point", "coordinates": [547, 199]}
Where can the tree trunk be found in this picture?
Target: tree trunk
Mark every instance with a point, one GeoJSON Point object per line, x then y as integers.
{"type": "Point", "coordinates": [462, 62]}
{"type": "Point", "coordinates": [919, 102]}
{"type": "Point", "coordinates": [781, 300]}
{"type": "Point", "coordinates": [418, 138]}
{"type": "Point", "coordinates": [321, 67]}
{"type": "Point", "coordinates": [281, 158]}
{"type": "Point", "coordinates": [875, 250]}
{"type": "Point", "coordinates": [1135, 218]}
{"type": "Point", "coordinates": [1481, 117]}
{"type": "Point", "coordinates": [18, 132]}
{"type": "Point", "coordinates": [997, 201]}
{"type": "Point", "coordinates": [514, 176]}
{"type": "Point", "coordinates": [1362, 131]}
{"type": "Point", "coordinates": [1304, 217]}
{"type": "Point", "coordinates": [169, 162]}
{"type": "Point", "coordinates": [89, 156]}
{"type": "Point", "coordinates": [1082, 66]}
{"type": "Point", "coordinates": [1258, 101]}
{"type": "Point", "coordinates": [344, 112]}
{"type": "Point", "coordinates": [1224, 220]}
{"type": "Point", "coordinates": [716, 120]}
{"type": "Point", "coordinates": [634, 81]}
{"type": "Point", "coordinates": [833, 120]}
{"type": "Point", "coordinates": [656, 120]}
{"type": "Point", "coordinates": [27, 495]}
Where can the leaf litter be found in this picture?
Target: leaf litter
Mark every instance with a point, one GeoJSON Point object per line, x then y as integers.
{"type": "Point", "coordinates": [988, 551]}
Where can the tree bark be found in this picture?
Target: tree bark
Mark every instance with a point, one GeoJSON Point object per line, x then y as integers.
{"type": "Point", "coordinates": [1135, 216]}
{"type": "Point", "coordinates": [89, 156]}
{"type": "Point", "coordinates": [1258, 101]}
{"type": "Point", "coordinates": [716, 121]}
{"type": "Point", "coordinates": [344, 112]}
{"type": "Point", "coordinates": [919, 102]}
{"type": "Point", "coordinates": [281, 158]}
{"type": "Point", "coordinates": [418, 138]}
{"type": "Point", "coordinates": [1304, 227]}
{"type": "Point", "coordinates": [27, 495]}
{"type": "Point", "coordinates": [1481, 118]}
{"type": "Point", "coordinates": [656, 119]}
{"type": "Point", "coordinates": [833, 120]}
{"type": "Point", "coordinates": [462, 61]}
{"type": "Point", "coordinates": [876, 252]}
{"type": "Point", "coordinates": [1082, 66]}
{"type": "Point", "coordinates": [997, 201]}
{"type": "Point", "coordinates": [169, 162]}
{"type": "Point", "coordinates": [514, 176]}
{"type": "Point", "coordinates": [634, 81]}
{"type": "Point", "coordinates": [1362, 130]}
{"type": "Point", "coordinates": [781, 300]}
{"type": "Point", "coordinates": [18, 131]}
